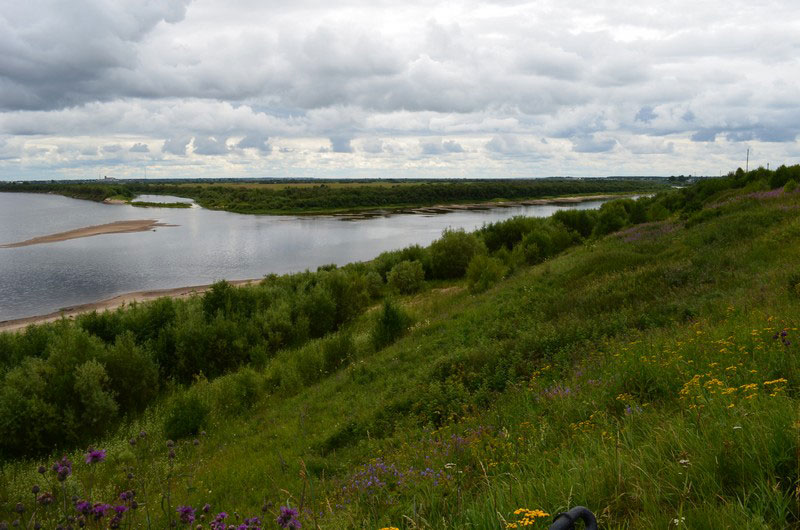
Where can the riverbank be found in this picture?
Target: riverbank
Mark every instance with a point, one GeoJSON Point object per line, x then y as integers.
{"type": "Point", "coordinates": [449, 208]}
{"type": "Point", "coordinates": [117, 227]}
{"type": "Point", "coordinates": [322, 197]}
{"type": "Point", "coordinates": [111, 304]}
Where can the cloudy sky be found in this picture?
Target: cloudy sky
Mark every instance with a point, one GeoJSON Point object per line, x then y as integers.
{"type": "Point", "coordinates": [371, 88]}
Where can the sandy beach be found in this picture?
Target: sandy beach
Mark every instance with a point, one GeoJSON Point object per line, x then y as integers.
{"type": "Point", "coordinates": [117, 227]}
{"type": "Point", "coordinates": [112, 303]}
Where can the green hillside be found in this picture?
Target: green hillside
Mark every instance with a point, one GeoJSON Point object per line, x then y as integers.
{"type": "Point", "coordinates": [641, 360]}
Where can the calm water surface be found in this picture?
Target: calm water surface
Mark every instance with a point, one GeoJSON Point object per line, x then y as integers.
{"type": "Point", "coordinates": [206, 246]}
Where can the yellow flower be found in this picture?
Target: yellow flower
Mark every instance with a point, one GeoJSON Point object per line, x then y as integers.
{"type": "Point", "coordinates": [775, 382]}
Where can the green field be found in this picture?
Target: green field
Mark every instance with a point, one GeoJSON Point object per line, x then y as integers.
{"type": "Point", "coordinates": [641, 360]}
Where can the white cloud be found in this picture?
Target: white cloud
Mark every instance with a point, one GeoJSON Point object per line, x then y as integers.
{"type": "Point", "coordinates": [217, 85]}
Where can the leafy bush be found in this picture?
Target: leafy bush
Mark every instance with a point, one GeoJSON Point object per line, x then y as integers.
{"type": "Point", "coordinates": [185, 417]}
{"type": "Point", "coordinates": [133, 374]}
{"type": "Point", "coordinates": [337, 351]}
{"type": "Point", "coordinates": [613, 216]}
{"type": "Point", "coordinates": [790, 186]}
{"type": "Point", "coordinates": [581, 222]}
{"type": "Point", "coordinates": [391, 324]}
{"type": "Point", "coordinates": [483, 272]}
{"type": "Point", "coordinates": [97, 405]}
{"type": "Point", "coordinates": [374, 284]}
{"type": "Point", "coordinates": [450, 255]}
{"type": "Point", "coordinates": [238, 391]}
{"type": "Point", "coordinates": [406, 277]}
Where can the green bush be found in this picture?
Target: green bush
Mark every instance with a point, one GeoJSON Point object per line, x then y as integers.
{"type": "Point", "coordinates": [185, 417]}
{"type": "Point", "coordinates": [790, 186]}
{"type": "Point", "coordinates": [132, 372]}
{"type": "Point", "coordinates": [406, 277]}
{"type": "Point", "coordinates": [391, 324]}
{"type": "Point", "coordinates": [483, 272]}
{"type": "Point", "coordinates": [337, 351]}
{"type": "Point", "coordinates": [613, 216]}
{"type": "Point", "coordinates": [239, 391]}
{"type": "Point", "coordinates": [97, 405]}
{"type": "Point", "coordinates": [374, 283]}
{"type": "Point", "coordinates": [450, 255]}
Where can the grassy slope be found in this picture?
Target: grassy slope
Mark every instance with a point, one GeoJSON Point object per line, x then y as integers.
{"type": "Point", "coordinates": [627, 376]}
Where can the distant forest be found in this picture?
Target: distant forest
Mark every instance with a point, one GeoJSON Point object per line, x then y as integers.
{"type": "Point", "coordinates": [334, 196]}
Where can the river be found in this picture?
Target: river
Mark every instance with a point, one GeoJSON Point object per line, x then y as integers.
{"type": "Point", "coordinates": [203, 247]}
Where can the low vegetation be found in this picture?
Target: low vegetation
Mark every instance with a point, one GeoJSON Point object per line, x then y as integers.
{"type": "Point", "coordinates": [640, 360]}
{"type": "Point", "coordinates": [315, 198]}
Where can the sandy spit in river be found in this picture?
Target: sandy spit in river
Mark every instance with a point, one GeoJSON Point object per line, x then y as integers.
{"type": "Point", "coordinates": [117, 227]}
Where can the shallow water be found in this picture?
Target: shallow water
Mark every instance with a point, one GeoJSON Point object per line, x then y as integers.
{"type": "Point", "coordinates": [206, 246]}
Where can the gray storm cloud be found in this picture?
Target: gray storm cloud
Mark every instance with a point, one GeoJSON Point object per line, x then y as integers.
{"type": "Point", "coordinates": [484, 80]}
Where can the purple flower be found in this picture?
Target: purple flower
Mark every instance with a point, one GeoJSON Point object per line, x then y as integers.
{"type": "Point", "coordinates": [206, 508]}
{"type": "Point", "coordinates": [120, 509]}
{"type": "Point", "coordinates": [95, 455]}
{"type": "Point", "coordinates": [287, 518]}
{"type": "Point", "coordinates": [218, 523]}
{"type": "Point", "coordinates": [187, 514]}
{"type": "Point", "coordinates": [100, 509]}
{"type": "Point", "coordinates": [62, 468]}
{"type": "Point", "coordinates": [83, 507]}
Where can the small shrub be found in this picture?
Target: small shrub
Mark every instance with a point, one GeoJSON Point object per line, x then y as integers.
{"type": "Point", "coordinates": [238, 391]}
{"type": "Point", "coordinates": [185, 417]}
{"type": "Point", "coordinates": [483, 272]}
{"type": "Point", "coordinates": [406, 277]}
{"type": "Point", "coordinates": [450, 255]}
{"type": "Point", "coordinates": [336, 351]}
{"type": "Point", "coordinates": [790, 186]}
{"type": "Point", "coordinates": [97, 403]}
{"type": "Point", "coordinates": [390, 326]}
{"type": "Point", "coordinates": [374, 283]}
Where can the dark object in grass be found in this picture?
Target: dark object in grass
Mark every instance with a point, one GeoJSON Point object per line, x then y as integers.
{"type": "Point", "coordinates": [566, 520]}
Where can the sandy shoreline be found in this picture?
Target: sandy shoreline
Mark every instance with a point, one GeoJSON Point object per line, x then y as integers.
{"type": "Point", "coordinates": [185, 292]}
{"type": "Point", "coordinates": [112, 303]}
{"type": "Point", "coordinates": [447, 208]}
{"type": "Point", "coordinates": [117, 227]}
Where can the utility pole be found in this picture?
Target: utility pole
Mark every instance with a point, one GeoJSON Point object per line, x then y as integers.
{"type": "Point", "coordinates": [747, 164]}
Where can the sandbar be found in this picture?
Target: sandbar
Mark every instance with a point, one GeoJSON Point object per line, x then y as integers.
{"type": "Point", "coordinates": [110, 304]}
{"type": "Point", "coordinates": [117, 227]}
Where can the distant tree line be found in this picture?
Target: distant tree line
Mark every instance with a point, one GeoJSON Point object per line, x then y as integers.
{"type": "Point", "coordinates": [245, 198]}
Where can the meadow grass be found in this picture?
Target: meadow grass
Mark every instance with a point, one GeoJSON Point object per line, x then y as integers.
{"type": "Point", "coordinates": [651, 375]}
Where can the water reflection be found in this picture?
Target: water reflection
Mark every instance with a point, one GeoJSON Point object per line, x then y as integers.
{"type": "Point", "coordinates": [205, 246]}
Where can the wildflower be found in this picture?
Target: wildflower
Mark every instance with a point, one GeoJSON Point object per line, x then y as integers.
{"type": "Point", "coordinates": [684, 462]}
{"type": "Point", "coordinates": [206, 508]}
{"type": "Point", "coordinates": [42, 470]}
{"type": "Point", "coordinates": [95, 455]}
{"type": "Point", "coordinates": [19, 508]}
{"type": "Point", "coordinates": [83, 507]}
{"type": "Point", "coordinates": [187, 514]}
{"type": "Point", "coordinates": [120, 509]}
{"type": "Point", "coordinates": [35, 489]}
{"type": "Point", "coordinates": [46, 498]}
{"type": "Point", "coordinates": [62, 468]}
{"type": "Point", "coordinates": [100, 509]}
{"type": "Point", "coordinates": [287, 518]}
